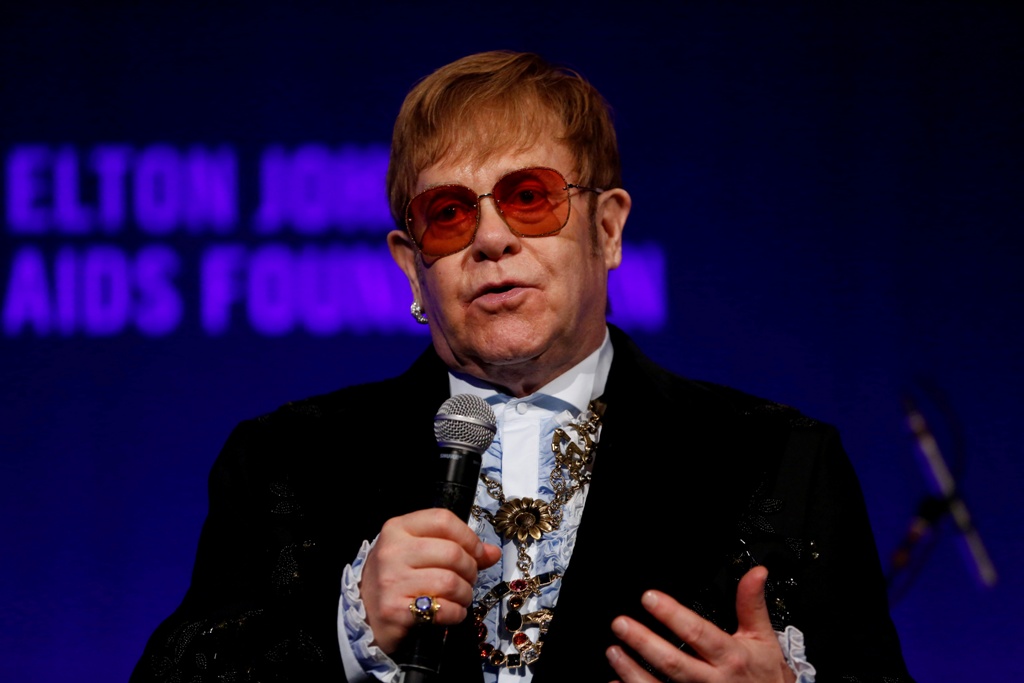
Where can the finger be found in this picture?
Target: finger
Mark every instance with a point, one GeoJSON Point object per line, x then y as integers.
{"type": "Point", "coordinates": [397, 551]}
{"type": "Point", "coordinates": [391, 606]}
{"type": "Point", "coordinates": [707, 640]}
{"type": "Point", "coordinates": [625, 666]}
{"type": "Point", "coordinates": [491, 555]}
{"type": "Point", "coordinates": [751, 610]}
{"type": "Point", "coordinates": [398, 617]}
{"type": "Point", "coordinates": [448, 613]}
{"type": "Point", "coordinates": [426, 553]}
{"type": "Point", "coordinates": [436, 523]}
{"type": "Point", "coordinates": [664, 656]}
{"type": "Point", "coordinates": [439, 583]}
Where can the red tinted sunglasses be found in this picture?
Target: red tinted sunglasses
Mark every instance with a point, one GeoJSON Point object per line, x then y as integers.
{"type": "Point", "coordinates": [533, 202]}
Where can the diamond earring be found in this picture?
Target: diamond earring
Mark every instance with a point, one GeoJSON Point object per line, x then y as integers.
{"type": "Point", "coordinates": [417, 312]}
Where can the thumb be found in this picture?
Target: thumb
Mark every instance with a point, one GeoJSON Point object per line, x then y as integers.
{"type": "Point", "coordinates": [488, 556]}
{"type": "Point", "coordinates": [751, 610]}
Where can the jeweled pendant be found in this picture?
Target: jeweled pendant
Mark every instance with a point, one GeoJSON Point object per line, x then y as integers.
{"type": "Point", "coordinates": [523, 519]}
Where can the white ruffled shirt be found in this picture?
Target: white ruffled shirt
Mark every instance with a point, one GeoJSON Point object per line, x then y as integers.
{"type": "Point", "coordinates": [520, 458]}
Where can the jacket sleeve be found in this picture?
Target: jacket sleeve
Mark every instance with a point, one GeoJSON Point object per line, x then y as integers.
{"type": "Point", "coordinates": [832, 587]}
{"type": "Point", "coordinates": [262, 603]}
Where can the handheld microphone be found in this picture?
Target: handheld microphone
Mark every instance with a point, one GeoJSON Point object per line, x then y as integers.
{"type": "Point", "coordinates": [464, 427]}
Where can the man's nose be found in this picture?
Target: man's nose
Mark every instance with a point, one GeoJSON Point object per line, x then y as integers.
{"type": "Point", "coordinates": [493, 236]}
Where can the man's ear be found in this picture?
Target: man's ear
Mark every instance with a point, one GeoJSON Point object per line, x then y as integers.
{"type": "Point", "coordinates": [403, 251]}
{"type": "Point", "coordinates": [612, 210]}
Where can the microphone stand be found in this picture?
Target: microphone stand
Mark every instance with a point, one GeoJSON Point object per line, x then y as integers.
{"type": "Point", "coordinates": [933, 508]}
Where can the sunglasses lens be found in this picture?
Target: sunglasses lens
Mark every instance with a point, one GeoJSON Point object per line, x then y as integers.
{"type": "Point", "coordinates": [534, 201]}
{"type": "Point", "coordinates": [442, 219]}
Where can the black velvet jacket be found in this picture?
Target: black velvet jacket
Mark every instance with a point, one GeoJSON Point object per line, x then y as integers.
{"type": "Point", "coordinates": [692, 484]}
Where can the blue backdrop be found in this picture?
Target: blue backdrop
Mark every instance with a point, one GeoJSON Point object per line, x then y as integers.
{"type": "Point", "coordinates": [827, 212]}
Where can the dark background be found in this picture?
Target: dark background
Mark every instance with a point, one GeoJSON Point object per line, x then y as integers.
{"type": "Point", "coordinates": [836, 188]}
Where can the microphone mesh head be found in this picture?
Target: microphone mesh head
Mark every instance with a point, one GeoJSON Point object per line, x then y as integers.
{"type": "Point", "coordinates": [465, 421]}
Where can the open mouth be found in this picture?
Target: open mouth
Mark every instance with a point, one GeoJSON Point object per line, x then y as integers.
{"type": "Point", "coordinates": [497, 288]}
{"type": "Point", "coordinates": [498, 292]}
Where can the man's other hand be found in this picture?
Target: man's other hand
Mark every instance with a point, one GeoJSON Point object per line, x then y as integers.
{"type": "Point", "coordinates": [751, 654]}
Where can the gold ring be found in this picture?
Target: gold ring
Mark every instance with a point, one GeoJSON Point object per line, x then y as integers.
{"type": "Point", "coordinates": [424, 608]}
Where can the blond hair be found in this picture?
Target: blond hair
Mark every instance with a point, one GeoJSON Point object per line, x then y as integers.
{"type": "Point", "coordinates": [492, 102]}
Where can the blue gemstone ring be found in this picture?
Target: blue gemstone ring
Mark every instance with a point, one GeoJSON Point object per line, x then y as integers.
{"type": "Point", "coordinates": [424, 608]}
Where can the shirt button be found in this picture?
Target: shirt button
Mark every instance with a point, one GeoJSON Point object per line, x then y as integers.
{"type": "Point", "coordinates": [521, 408]}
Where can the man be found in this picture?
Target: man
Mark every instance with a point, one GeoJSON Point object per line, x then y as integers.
{"type": "Point", "coordinates": [625, 516]}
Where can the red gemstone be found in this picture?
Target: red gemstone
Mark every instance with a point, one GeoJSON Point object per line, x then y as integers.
{"type": "Point", "coordinates": [485, 650]}
{"type": "Point", "coordinates": [520, 639]}
{"type": "Point", "coordinates": [518, 585]}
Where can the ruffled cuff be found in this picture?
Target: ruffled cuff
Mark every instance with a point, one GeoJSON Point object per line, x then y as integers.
{"type": "Point", "coordinates": [792, 643]}
{"type": "Point", "coordinates": [362, 660]}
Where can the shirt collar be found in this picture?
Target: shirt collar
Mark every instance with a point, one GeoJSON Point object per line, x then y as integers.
{"type": "Point", "coordinates": [577, 386]}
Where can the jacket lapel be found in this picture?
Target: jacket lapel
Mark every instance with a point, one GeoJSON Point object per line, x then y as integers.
{"type": "Point", "coordinates": [667, 489]}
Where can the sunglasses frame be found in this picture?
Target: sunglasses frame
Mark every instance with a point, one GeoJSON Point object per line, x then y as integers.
{"type": "Point", "coordinates": [567, 187]}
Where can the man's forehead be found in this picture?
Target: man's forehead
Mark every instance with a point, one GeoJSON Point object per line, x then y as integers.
{"type": "Point", "coordinates": [467, 166]}
{"type": "Point", "coordinates": [492, 130]}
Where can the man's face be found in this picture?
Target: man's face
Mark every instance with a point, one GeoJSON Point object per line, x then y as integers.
{"type": "Point", "coordinates": [517, 311]}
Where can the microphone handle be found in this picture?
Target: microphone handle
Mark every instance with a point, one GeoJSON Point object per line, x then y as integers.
{"type": "Point", "coordinates": [455, 490]}
{"type": "Point", "coordinates": [456, 485]}
{"type": "Point", "coordinates": [421, 653]}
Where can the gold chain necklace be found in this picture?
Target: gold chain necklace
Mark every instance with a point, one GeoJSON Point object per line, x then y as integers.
{"type": "Point", "coordinates": [525, 520]}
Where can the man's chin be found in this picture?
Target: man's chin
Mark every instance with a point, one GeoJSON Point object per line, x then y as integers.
{"type": "Point", "coordinates": [504, 358]}
{"type": "Point", "coordinates": [505, 340]}
{"type": "Point", "coordinates": [507, 352]}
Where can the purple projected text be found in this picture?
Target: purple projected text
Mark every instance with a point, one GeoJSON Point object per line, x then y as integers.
{"type": "Point", "coordinates": [116, 239]}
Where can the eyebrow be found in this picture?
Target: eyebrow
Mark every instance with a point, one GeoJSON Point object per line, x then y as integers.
{"type": "Point", "coordinates": [433, 185]}
{"type": "Point", "coordinates": [502, 175]}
